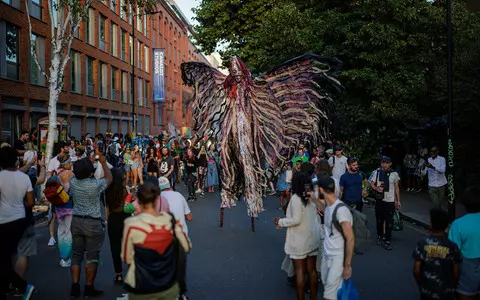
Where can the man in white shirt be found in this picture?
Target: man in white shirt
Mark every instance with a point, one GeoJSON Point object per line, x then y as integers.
{"type": "Point", "coordinates": [338, 163]}
{"type": "Point", "coordinates": [338, 245]}
{"type": "Point", "coordinates": [179, 208]}
{"type": "Point", "coordinates": [437, 182]}
{"type": "Point", "coordinates": [385, 182]}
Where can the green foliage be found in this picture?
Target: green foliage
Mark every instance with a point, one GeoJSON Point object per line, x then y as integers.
{"type": "Point", "coordinates": [394, 55]}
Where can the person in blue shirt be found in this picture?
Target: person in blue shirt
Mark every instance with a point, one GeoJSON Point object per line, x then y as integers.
{"type": "Point", "coordinates": [351, 185]}
{"type": "Point", "coordinates": [465, 233]}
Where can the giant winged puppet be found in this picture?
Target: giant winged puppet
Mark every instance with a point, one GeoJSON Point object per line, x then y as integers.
{"type": "Point", "coordinates": [260, 121]}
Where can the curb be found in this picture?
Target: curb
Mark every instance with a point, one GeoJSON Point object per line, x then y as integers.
{"type": "Point", "coordinates": [411, 220]}
{"type": "Point", "coordinates": [415, 222]}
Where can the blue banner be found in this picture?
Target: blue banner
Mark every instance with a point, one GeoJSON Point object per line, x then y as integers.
{"type": "Point", "coordinates": [158, 76]}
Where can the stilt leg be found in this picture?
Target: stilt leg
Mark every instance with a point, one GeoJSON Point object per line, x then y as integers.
{"type": "Point", "coordinates": [221, 217]}
{"type": "Point", "coordinates": [253, 224]}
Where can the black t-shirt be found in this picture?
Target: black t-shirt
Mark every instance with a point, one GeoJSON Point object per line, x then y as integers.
{"type": "Point", "coordinates": [20, 145]}
{"type": "Point", "coordinates": [438, 256]}
{"type": "Point", "coordinates": [202, 160]}
{"type": "Point", "coordinates": [191, 165]}
{"type": "Point", "coordinates": [164, 165]}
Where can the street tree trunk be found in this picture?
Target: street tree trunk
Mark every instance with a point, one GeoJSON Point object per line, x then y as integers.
{"type": "Point", "coordinates": [54, 92]}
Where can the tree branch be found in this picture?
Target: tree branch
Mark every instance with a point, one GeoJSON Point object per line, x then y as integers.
{"type": "Point", "coordinates": [32, 48]}
{"type": "Point", "coordinates": [52, 25]}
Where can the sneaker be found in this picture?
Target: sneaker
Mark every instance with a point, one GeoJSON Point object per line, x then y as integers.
{"type": "Point", "coordinates": [75, 291]}
{"type": "Point", "coordinates": [51, 242]}
{"type": "Point", "coordinates": [387, 246]}
{"type": "Point", "coordinates": [409, 190]}
{"type": "Point", "coordinates": [198, 191]}
{"type": "Point", "coordinates": [202, 194]}
{"type": "Point", "coordinates": [65, 263]}
{"type": "Point", "coordinates": [272, 193]}
{"type": "Point", "coordinates": [379, 240]}
{"type": "Point", "coordinates": [28, 292]}
{"type": "Point", "coordinates": [90, 291]}
{"type": "Point", "coordinates": [183, 297]}
{"type": "Point", "coordinates": [418, 191]}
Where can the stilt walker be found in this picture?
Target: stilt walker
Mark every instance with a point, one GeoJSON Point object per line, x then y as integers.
{"type": "Point", "coordinates": [261, 120]}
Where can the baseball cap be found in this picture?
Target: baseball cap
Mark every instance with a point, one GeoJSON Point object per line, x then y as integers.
{"type": "Point", "coordinates": [163, 183]}
{"type": "Point", "coordinates": [338, 148]}
{"type": "Point", "coordinates": [386, 159]}
{"type": "Point", "coordinates": [325, 182]}
{"type": "Point", "coordinates": [329, 151]}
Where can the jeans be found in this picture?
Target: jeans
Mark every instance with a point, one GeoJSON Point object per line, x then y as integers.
{"type": "Point", "coordinates": [191, 180]}
{"type": "Point", "coordinates": [115, 233]}
{"type": "Point", "coordinates": [11, 234]}
{"type": "Point", "coordinates": [384, 213]}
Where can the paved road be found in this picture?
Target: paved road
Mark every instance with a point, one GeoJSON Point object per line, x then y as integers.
{"type": "Point", "coordinates": [234, 263]}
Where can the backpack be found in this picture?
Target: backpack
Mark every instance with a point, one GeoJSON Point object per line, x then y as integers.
{"type": "Point", "coordinates": [54, 191]}
{"type": "Point", "coordinates": [360, 228]}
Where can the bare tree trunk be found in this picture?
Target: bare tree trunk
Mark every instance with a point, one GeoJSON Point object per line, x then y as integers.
{"type": "Point", "coordinates": [54, 89]}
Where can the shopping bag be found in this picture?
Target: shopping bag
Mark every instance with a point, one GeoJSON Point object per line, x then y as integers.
{"type": "Point", "coordinates": [397, 221]}
{"type": "Point", "coordinates": [347, 291]}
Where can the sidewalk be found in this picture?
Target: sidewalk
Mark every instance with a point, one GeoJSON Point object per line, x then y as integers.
{"type": "Point", "coordinates": [416, 208]}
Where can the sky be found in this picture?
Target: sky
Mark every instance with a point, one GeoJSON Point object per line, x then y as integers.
{"type": "Point", "coordinates": [186, 7]}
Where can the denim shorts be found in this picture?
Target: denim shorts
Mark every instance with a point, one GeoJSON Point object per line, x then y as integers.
{"type": "Point", "coordinates": [469, 282]}
{"type": "Point", "coordinates": [127, 167]}
{"type": "Point", "coordinates": [87, 239]}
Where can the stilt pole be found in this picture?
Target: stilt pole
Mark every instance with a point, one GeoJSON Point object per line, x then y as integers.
{"type": "Point", "coordinates": [253, 224]}
{"type": "Point", "coordinates": [221, 217]}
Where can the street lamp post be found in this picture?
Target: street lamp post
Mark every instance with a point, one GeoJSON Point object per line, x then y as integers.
{"type": "Point", "coordinates": [450, 163]}
{"type": "Point", "coordinates": [134, 118]}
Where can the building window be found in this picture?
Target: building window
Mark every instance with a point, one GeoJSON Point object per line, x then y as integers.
{"type": "Point", "coordinates": [139, 54]}
{"type": "Point", "coordinates": [103, 80]}
{"type": "Point", "coordinates": [36, 75]}
{"type": "Point", "coordinates": [91, 27]}
{"type": "Point", "coordinates": [123, 45]}
{"type": "Point", "coordinates": [9, 51]}
{"type": "Point", "coordinates": [123, 13]}
{"type": "Point", "coordinates": [115, 93]}
{"type": "Point", "coordinates": [90, 81]}
{"type": "Point", "coordinates": [139, 20]}
{"type": "Point", "coordinates": [113, 5]}
{"type": "Point", "coordinates": [146, 55]}
{"type": "Point", "coordinates": [124, 86]}
{"type": "Point", "coordinates": [35, 8]}
{"type": "Point", "coordinates": [145, 19]}
{"type": "Point", "coordinates": [114, 39]}
{"type": "Point", "coordinates": [76, 76]}
{"type": "Point", "coordinates": [101, 33]}
{"type": "Point", "coordinates": [131, 49]}
{"type": "Point", "coordinates": [130, 14]}
{"type": "Point", "coordinates": [139, 92]}
{"type": "Point", "coordinates": [14, 3]}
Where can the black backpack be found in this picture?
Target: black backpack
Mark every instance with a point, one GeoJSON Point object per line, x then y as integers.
{"type": "Point", "coordinates": [360, 228]}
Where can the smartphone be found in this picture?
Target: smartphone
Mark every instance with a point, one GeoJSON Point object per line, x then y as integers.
{"type": "Point", "coordinates": [39, 155]}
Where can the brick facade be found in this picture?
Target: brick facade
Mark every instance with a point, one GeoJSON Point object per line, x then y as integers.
{"type": "Point", "coordinates": [24, 103]}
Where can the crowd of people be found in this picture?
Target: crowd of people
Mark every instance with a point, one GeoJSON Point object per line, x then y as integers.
{"type": "Point", "coordinates": [96, 184]}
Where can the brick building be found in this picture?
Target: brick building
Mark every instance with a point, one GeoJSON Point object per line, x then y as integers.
{"type": "Point", "coordinates": [97, 93]}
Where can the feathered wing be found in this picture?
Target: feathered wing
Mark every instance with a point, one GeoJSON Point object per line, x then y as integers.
{"type": "Point", "coordinates": [290, 103]}
{"type": "Point", "coordinates": [209, 101]}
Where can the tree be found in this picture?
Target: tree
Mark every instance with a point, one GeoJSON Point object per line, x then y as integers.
{"type": "Point", "coordinates": [64, 18]}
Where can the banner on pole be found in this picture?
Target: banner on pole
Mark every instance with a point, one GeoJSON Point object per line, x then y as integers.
{"type": "Point", "coordinates": [158, 75]}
